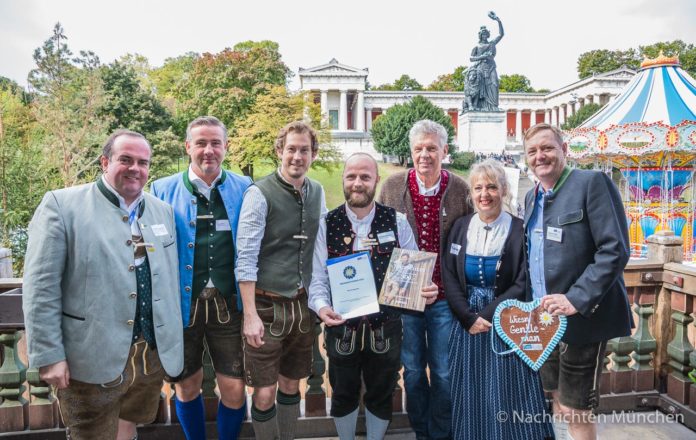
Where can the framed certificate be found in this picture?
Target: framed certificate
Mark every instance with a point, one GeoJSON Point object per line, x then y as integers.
{"type": "Point", "coordinates": [353, 290]}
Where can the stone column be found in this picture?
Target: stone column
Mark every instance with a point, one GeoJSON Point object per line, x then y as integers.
{"type": "Point", "coordinates": [554, 116]}
{"type": "Point", "coordinates": [532, 118]}
{"type": "Point", "coordinates": [518, 125]}
{"type": "Point", "coordinates": [324, 103]}
{"type": "Point", "coordinates": [360, 109]}
{"type": "Point", "coordinates": [561, 115]}
{"type": "Point", "coordinates": [343, 111]}
{"type": "Point", "coordinates": [597, 99]}
{"type": "Point", "coordinates": [368, 121]}
{"type": "Point", "coordinates": [547, 116]}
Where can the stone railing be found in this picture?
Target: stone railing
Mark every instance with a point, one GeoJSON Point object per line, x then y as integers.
{"type": "Point", "coordinates": [645, 371]}
{"type": "Point", "coordinates": [29, 411]}
{"type": "Point", "coordinates": [650, 369]}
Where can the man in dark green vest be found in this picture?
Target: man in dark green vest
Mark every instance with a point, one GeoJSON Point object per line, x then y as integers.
{"type": "Point", "coordinates": [278, 224]}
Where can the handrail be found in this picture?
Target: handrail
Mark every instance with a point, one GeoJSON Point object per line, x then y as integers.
{"type": "Point", "coordinates": [649, 369]}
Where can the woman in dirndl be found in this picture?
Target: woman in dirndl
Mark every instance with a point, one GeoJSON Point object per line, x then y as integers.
{"type": "Point", "coordinates": [493, 396]}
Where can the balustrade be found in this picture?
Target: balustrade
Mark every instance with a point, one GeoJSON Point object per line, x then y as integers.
{"type": "Point", "coordinates": [646, 370]}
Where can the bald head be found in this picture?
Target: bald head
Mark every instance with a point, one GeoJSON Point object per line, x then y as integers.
{"type": "Point", "coordinates": [360, 177]}
{"type": "Point", "coordinates": [362, 158]}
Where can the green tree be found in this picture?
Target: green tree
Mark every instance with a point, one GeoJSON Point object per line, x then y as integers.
{"type": "Point", "coordinates": [602, 60]}
{"type": "Point", "coordinates": [254, 139]}
{"type": "Point", "coordinates": [515, 83]}
{"type": "Point", "coordinates": [404, 82]}
{"type": "Point", "coordinates": [7, 85]}
{"type": "Point", "coordinates": [68, 109]}
{"type": "Point", "coordinates": [227, 84]}
{"type": "Point", "coordinates": [686, 53]}
{"type": "Point", "coordinates": [168, 153]}
{"type": "Point", "coordinates": [450, 82]}
{"type": "Point", "coordinates": [128, 103]}
{"type": "Point", "coordinates": [167, 78]}
{"type": "Point", "coordinates": [390, 130]}
{"type": "Point", "coordinates": [24, 176]}
{"type": "Point", "coordinates": [586, 112]}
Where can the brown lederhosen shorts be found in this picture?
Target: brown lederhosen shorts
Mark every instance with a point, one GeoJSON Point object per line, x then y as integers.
{"type": "Point", "coordinates": [91, 411]}
{"type": "Point", "coordinates": [573, 370]}
{"type": "Point", "coordinates": [288, 338]}
{"type": "Point", "coordinates": [219, 327]}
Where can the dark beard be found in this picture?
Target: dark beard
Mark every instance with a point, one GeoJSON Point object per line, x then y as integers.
{"type": "Point", "coordinates": [362, 202]}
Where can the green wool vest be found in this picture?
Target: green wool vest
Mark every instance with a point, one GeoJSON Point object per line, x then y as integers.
{"type": "Point", "coordinates": [287, 247]}
{"type": "Point", "coordinates": [213, 256]}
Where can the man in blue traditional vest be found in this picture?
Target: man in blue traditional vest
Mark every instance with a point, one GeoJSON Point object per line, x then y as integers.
{"type": "Point", "coordinates": [277, 228]}
{"type": "Point", "coordinates": [206, 201]}
{"type": "Point", "coordinates": [365, 349]}
{"type": "Point", "coordinates": [100, 304]}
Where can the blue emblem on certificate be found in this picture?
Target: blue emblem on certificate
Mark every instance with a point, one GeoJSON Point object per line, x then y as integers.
{"type": "Point", "coordinates": [349, 272]}
{"type": "Point", "coordinates": [353, 290]}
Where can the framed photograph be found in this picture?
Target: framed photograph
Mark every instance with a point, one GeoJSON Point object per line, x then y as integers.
{"type": "Point", "coordinates": [407, 274]}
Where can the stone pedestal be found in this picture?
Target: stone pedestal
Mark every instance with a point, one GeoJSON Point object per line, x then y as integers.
{"type": "Point", "coordinates": [482, 132]}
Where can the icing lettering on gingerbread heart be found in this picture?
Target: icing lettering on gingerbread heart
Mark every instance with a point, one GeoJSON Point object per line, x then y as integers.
{"type": "Point", "coordinates": [530, 331]}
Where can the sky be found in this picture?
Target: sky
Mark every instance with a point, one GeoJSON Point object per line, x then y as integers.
{"type": "Point", "coordinates": [424, 39]}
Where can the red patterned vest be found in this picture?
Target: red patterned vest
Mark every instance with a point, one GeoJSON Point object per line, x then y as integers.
{"type": "Point", "coordinates": [427, 212]}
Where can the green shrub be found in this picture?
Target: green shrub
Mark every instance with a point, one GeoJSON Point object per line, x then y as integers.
{"type": "Point", "coordinates": [462, 160]}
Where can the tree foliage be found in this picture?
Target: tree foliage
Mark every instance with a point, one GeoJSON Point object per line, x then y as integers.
{"type": "Point", "coordinates": [168, 78]}
{"type": "Point", "coordinates": [227, 84]}
{"type": "Point", "coordinates": [129, 104]}
{"type": "Point", "coordinates": [390, 130]}
{"type": "Point", "coordinates": [254, 139]}
{"type": "Point", "coordinates": [68, 108]}
{"type": "Point", "coordinates": [404, 82]}
{"type": "Point", "coordinates": [599, 61]}
{"type": "Point", "coordinates": [450, 82]}
{"type": "Point", "coordinates": [585, 113]}
{"type": "Point", "coordinates": [515, 83]}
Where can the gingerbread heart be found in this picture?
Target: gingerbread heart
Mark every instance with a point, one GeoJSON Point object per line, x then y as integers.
{"type": "Point", "coordinates": [528, 330]}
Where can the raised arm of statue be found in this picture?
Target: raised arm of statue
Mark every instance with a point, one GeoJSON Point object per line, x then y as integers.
{"type": "Point", "coordinates": [500, 27]}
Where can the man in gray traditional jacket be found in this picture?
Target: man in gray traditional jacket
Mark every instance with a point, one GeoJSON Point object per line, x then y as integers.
{"type": "Point", "coordinates": [101, 302]}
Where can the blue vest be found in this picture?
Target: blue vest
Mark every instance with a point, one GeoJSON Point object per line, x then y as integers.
{"type": "Point", "coordinates": [173, 191]}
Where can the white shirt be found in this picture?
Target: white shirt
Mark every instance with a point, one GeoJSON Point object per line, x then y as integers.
{"type": "Point", "coordinates": [487, 243]}
{"type": "Point", "coordinates": [319, 288]}
{"type": "Point", "coordinates": [432, 191]}
{"type": "Point", "coordinates": [132, 214]}
{"type": "Point", "coordinates": [200, 184]}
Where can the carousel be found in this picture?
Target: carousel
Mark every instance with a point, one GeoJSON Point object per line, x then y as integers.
{"type": "Point", "coordinates": [649, 133]}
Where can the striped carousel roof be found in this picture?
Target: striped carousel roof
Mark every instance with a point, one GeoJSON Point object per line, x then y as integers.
{"type": "Point", "coordinates": [661, 91]}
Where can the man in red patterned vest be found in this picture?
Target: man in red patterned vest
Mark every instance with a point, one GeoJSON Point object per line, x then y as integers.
{"type": "Point", "coordinates": [432, 199]}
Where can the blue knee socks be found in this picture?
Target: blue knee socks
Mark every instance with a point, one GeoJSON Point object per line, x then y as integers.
{"type": "Point", "coordinates": [192, 418]}
{"type": "Point", "coordinates": [229, 421]}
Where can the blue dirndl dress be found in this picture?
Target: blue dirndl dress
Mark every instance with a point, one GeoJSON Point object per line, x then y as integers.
{"type": "Point", "coordinates": [493, 396]}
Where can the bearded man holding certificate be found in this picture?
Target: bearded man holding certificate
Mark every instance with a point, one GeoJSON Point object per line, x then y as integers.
{"type": "Point", "coordinates": [365, 348]}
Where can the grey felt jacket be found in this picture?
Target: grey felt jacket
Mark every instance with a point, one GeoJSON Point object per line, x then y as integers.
{"type": "Point", "coordinates": [79, 284]}
{"type": "Point", "coordinates": [587, 264]}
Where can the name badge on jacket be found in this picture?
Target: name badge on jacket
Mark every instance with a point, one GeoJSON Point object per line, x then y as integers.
{"type": "Point", "coordinates": [222, 225]}
{"type": "Point", "coordinates": [386, 237]}
{"type": "Point", "coordinates": [554, 234]}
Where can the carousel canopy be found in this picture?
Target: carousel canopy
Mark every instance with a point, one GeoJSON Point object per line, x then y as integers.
{"type": "Point", "coordinates": [652, 120]}
{"type": "Point", "coordinates": [661, 92]}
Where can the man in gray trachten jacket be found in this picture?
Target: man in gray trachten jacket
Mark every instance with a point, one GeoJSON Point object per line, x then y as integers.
{"type": "Point", "coordinates": [101, 302]}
